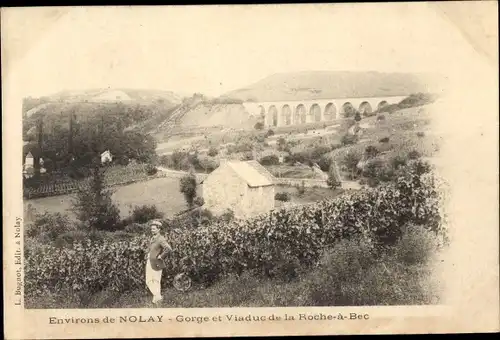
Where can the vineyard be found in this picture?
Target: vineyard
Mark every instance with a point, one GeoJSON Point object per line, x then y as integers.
{"type": "Point", "coordinates": [114, 176]}
{"type": "Point", "coordinates": [269, 242]}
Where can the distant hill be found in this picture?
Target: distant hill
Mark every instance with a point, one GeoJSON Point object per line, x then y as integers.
{"type": "Point", "coordinates": [334, 84]}
{"type": "Point", "coordinates": [131, 96]}
{"type": "Point", "coordinates": [117, 94]}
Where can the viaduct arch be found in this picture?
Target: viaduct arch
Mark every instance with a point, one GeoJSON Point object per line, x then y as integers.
{"type": "Point", "coordinates": [283, 113]}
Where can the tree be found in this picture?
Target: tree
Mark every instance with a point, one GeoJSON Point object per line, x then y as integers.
{"type": "Point", "coordinates": [93, 205]}
{"type": "Point", "coordinates": [351, 161]}
{"type": "Point", "coordinates": [357, 116]}
{"type": "Point", "coordinates": [333, 180]}
{"type": "Point", "coordinates": [188, 186]}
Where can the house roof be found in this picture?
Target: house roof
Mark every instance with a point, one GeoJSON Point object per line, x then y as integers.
{"type": "Point", "coordinates": [252, 172]}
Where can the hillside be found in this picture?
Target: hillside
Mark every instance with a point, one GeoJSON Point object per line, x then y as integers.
{"type": "Point", "coordinates": [206, 115]}
{"type": "Point", "coordinates": [332, 84]}
{"type": "Point", "coordinates": [130, 96]}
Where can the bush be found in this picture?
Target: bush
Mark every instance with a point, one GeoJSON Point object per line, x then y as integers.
{"type": "Point", "coordinates": [380, 117]}
{"type": "Point", "coordinates": [270, 160]}
{"type": "Point", "coordinates": [136, 228]}
{"type": "Point", "coordinates": [282, 144]}
{"type": "Point", "coordinates": [49, 226]}
{"type": "Point", "coordinates": [67, 239]}
{"type": "Point", "coordinates": [416, 246]}
{"type": "Point", "coordinates": [199, 201]}
{"type": "Point", "coordinates": [349, 139]}
{"type": "Point", "coordinates": [414, 154]}
{"type": "Point", "coordinates": [421, 134]}
{"type": "Point", "coordinates": [259, 126]}
{"type": "Point", "coordinates": [371, 151]}
{"type": "Point", "coordinates": [301, 189]}
{"type": "Point", "coordinates": [353, 273]}
{"type": "Point", "coordinates": [151, 170]}
{"type": "Point", "coordinates": [212, 152]}
{"type": "Point", "coordinates": [188, 187]}
{"type": "Point", "coordinates": [350, 162]}
{"type": "Point", "coordinates": [145, 213]}
{"type": "Point", "coordinates": [324, 163]}
{"type": "Point", "coordinates": [384, 140]}
{"type": "Point", "coordinates": [398, 161]}
{"type": "Point", "coordinates": [269, 133]}
{"type": "Point", "coordinates": [247, 156]}
{"type": "Point", "coordinates": [373, 168]}
{"type": "Point", "coordinates": [282, 196]}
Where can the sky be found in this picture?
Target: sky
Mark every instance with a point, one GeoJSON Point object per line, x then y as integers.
{"type": "Point", "coordinates": [215, 49]}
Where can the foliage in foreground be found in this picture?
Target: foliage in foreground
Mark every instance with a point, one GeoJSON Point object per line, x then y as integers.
{"type": "Point", "coordinates": [269, 243]}
{"type": "Point", "coordinates": [349, 273]}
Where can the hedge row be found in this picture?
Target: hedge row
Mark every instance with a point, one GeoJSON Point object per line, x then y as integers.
{"type": "Point", "coordinates": [297, 234]}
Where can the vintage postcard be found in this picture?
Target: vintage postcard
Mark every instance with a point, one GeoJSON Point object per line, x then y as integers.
{"type": "Point", "coordinates": [250, 170]}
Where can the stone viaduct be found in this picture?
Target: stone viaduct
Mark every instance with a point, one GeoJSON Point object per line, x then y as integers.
{"type": "Point", "coordinates": [282, 113]}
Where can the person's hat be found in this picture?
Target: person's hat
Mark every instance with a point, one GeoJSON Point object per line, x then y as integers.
{"type": "Point", "coordinates": [156, 223]}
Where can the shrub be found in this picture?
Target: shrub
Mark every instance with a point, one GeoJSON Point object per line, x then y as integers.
{"type": "Point", "coordinates": [416, 246]}
{"type": "Point", "coordinates": [49, 226]}
{"type": "Point", "coordinates": [380, 117]}
{"type": "Point", "coordinates": [384, 140]}
{"type": "Point", "coordinates": [67, 239]}
{"type": "Point", "coordinates": [334, 180]}
{"type": "Point", "coordinates": [259, 126]}
{"type": "Point", "coordinates": [151, 170]}
{"type": "Point", "coordinates": [269, 133]}
{"type": "Point", "coordinates": [145, 213]}
{"type": "Point", "coordinates": [414, 154]}
{"type": "Point", "coordinates": [247, 156]}
{"type": "Point", "coordinates": [352, 273]}
{"type": "Point", "coordinates": [269, 160]}
{"type": "Point", "coordinates": [371, 151]}
{"type": "Point", "coordinates": [282, 144]}
{"type": "Point", "coordinates": [199, 201]}
{"type": "Point", "coordinates": [136, 228]}
{"type": "Point", "coordinates": [350, 161]}
{"type": "Point", "coordinates": [421, 134]}
{"type": "Point", "coordinates": [398, 161]}
{"type": "Point", "coordinates": [301, 189]}
{"type": "Point", "coordinates": [324, 163]}
{"type": "Point", "coordinates": [349, 139]}
{"type": "Point", "coordinates": [357, 116]}
{"type": "Point", "coordinates": [188, 187]}
{"type": "Point", "coordinates": [373, 168]}
{"type": "Point", "coordinates": [213, 151]}
{"type": "Point", "coordinates": [282, 196]}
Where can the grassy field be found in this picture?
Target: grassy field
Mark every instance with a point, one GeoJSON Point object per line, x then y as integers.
{"type": "Point", "coordinates": [292, 171]}
{"type": "Point", "coordinates": [309, 195]}
{"type": "Point", "coordinates": [162, 192]}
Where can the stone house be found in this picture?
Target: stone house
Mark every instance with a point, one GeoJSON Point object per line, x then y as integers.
{"type": "Point", "coordinates": [245, 187]}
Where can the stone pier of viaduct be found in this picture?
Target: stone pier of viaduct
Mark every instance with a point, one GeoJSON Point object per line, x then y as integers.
{"type": "Point", "coordinates": [282, 113]}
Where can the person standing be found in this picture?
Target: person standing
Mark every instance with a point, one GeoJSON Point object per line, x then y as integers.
{"type": "Point", "coordinates": [158, 249]}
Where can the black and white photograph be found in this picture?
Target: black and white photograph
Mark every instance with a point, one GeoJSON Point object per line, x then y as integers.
{"type": "Point", "coordinates": [236, 156]}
